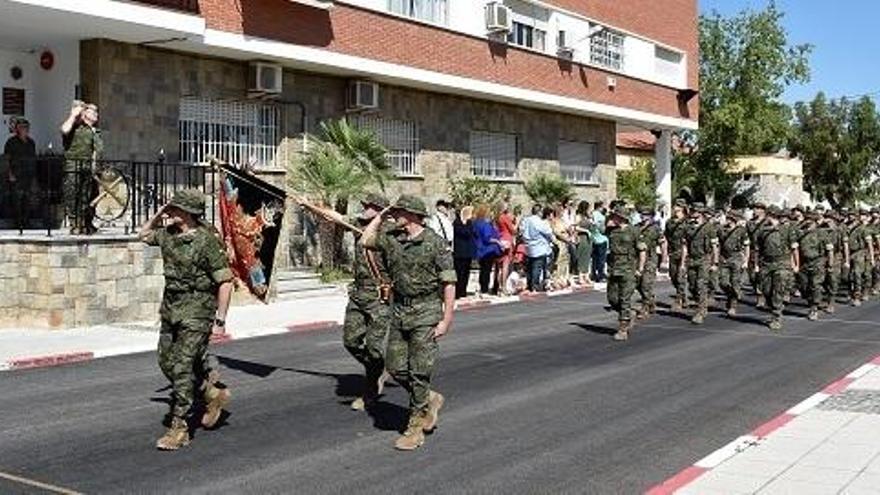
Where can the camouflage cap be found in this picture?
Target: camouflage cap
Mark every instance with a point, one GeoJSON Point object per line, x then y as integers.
{"type": "Point", "coordinates": [774, 211]}
{"type": "Point", "coordinates": [759, 206]}
{"type": "Point", "coordinates": [820, 208]}
{"type": "Point", "coordinates": [620, 211]}
{"type": "Point", "coordinates": [191, 201]}
{"type": "Point", "coordinates": [645, 210]}
{"type": "Point", "coordinates": [698, 208]}
{"type": "Point", "coordinates": [735, 215]}
{"type": "Point", "coordinates": [411, 204]}
{"type": "Point", "coordinates": [681, 203]}
{"type": "Point", "coordinates": [375, 200]}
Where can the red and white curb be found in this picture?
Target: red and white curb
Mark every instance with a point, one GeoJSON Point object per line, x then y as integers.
{"type": "Point", "coordinates": [84, 355]}
{"type": "Point", "coordinates": [713, 460]}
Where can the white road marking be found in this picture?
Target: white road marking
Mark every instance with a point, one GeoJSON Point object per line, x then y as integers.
{"type": "Point", "coordinates": [808, 403]}
{"type": "Point", "coordinates": [38, 484]}
{"type": "Point", "coordinates": [862, 370]}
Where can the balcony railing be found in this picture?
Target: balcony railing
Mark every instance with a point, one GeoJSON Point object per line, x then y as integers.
{"type": "Point", "coordinates": [191, 6]}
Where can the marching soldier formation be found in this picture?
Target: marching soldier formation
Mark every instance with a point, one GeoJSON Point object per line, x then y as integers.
{"type": "Point", "coordinates": [820, 255]}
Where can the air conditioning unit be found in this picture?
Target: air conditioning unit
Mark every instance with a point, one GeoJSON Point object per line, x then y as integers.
{"type": "Point", "coordinates": [265, 79]}
{"type": "Point", "coordinates": [498, 18]}
{"type": "Point", "coordinates": [363, 95]}
{"type": "Point", "coordinates": [563, 49]}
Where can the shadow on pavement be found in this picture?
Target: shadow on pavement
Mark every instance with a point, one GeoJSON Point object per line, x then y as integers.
{"type": "Point", "coordinates": [594, 328]}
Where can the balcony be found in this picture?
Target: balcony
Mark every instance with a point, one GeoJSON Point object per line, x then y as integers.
{"type": "Point", "coordinates": [191, 6]}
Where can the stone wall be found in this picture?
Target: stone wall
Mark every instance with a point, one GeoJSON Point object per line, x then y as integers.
{"type": "Point", "coordinates": [55, 282]}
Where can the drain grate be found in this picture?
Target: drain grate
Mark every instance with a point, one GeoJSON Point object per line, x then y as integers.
{"type": "Point", "coordinates": [861, 401]}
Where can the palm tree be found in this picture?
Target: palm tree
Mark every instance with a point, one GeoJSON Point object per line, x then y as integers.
{"type": "Point", "coordinates": [344, 163]}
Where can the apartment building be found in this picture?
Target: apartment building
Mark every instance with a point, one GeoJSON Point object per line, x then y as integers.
{"type": "Point", "coordinates": [499, 89]}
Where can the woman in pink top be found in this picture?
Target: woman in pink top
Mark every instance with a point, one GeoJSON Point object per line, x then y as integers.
{"type": "Point", "coordinates": [506, 226]}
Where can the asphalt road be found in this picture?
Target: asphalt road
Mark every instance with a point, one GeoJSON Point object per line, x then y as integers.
{"type": "Point", "coordinates": [539, 400]}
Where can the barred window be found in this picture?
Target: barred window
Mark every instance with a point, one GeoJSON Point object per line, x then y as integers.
{"type": "Point", "coordinates": [494, 155]}
{"type": "Point", "coordinates": [577, 161]}
{"type": "Point", "coordinates": [236, 131]}
{"type": "Point", "coordinates": [606, 49]}
{"type": "Point", "coordinates": [435, 11]}
{"type": "Point", "coordinates": [400, 137]}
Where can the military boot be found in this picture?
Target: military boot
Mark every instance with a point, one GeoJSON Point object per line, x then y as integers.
{"type": "Point", "coordinates": [414, 436]}
{"type": "Point", "coordinates": [857, 301]}
{"type": "Point", "coordinates": [829, 308]}
{"type": "Point", "coordinates": [622, 334]}
{"type": "Point", "coordinates": [760, 302]}
{"type": "Point", "coordinates": [731, 309]}
{"type": "Point", "coordinates": [814, 314]}
{"type": "Point", "coordinates": [677, 304]}
{"type": "Point", "coordinates": [176, 437]}
{"type": "Point", "coordinates": [642, 313]}
{"type": "Point", "coordinates": [775, 324]}
{"type": "Point", "coordinates": [435, 403]}
{"type": "Point", "coordinates": [380, 384]}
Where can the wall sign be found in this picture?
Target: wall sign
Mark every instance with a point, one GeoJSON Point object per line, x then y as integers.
{"type": "Point", "coordinates": [13, 101]}
{"type": "Point", "coordinates": [47, 60]}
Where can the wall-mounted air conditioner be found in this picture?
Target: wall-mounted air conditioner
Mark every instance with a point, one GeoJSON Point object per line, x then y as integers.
{"type": "Point", "coordinates": [498, 19]}
{"type": "Point", "coordinates": [265, 79]}
{"type": "Point", "coordinates": [363, 95]}
{"type": "Point", "coordinates": [563, 48]}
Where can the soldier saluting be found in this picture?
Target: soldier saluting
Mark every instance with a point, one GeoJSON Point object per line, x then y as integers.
{"type": "Point", "coordinates": [422, 303]}
{"type": "Point", "coordinates": [198, 287]}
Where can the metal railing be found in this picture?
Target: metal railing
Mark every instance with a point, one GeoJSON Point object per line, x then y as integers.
{"type": "Point", "coordinates": [191, 6]}
{"type": "Point", "coordinates": [118, 195]}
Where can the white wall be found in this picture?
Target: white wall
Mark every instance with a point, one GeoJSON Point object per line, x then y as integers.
{"type": "Point", "coordinates": [47, 93]}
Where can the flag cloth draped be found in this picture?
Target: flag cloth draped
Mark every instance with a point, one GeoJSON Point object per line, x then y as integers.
{"type": "Point", "coordinates": [251, 211]}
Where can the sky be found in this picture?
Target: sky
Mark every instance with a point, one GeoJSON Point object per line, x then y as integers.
{"type": "Point", "coordinates": [845, 35]}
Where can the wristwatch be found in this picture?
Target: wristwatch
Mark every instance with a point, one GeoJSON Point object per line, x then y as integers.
{"type": "Point", "coordinates": [220, 323]}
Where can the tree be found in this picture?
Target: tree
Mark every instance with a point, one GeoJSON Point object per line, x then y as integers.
{"type": "Point", "coordinates": [344, 163]}
{"type": "Point", "coordinates": [637, 185]}
{"type": "Point", "coordinates": [547, 189]}
{"type": "Point", "coordinates": [464, 191]}
{"type": "Point", "coordinates": [839, 143]}
{"type": "Point", "coordinates": [746, 62]}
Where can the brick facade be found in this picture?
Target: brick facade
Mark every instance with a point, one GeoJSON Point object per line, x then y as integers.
{"type": "Point", "coordinates": [353, 31]}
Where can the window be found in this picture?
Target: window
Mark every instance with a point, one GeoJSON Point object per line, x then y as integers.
{"type": "Point", "coordinates": [400, 137]}
{"type": "Point", "coordinates": [668, 64]}
{"type": "Point", "coordinates": [493, 155]}
{"type": "Point", "coordinates": [577, 161]}
{"type": "Point", "coordinates": [435, 11]}
{"type": "Point", "coordinates": [527, 36]}
{"type": "Point", "coordinates": [236, 131]}
{"type": "Point", "coordinates": [606, 49]}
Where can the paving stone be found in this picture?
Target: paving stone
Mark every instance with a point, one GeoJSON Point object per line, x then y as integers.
{"type": "Point", "coordinates": [862, 401]}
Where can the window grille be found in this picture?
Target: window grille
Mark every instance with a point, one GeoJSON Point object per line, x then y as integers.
{"type": "Point", "coordinates": [493, 155]}
{"type": "Point", "coordinates": [236, 131]}
{"type": "Point", "coordinates": [606, 49]}
{"type": "Point", "coordinates": [400, 137]}
{"type": "Point", "coordinates": [577, 161]}
{"type": "Point", "coordinates": [435, 11]}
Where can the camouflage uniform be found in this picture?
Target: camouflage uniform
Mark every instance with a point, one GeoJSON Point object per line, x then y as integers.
{"type": "Point", "coordinates": [368, 314]}
{"type": "Point", "coordinates": [624, 247]}
{"type": "Point", "coordinates": [78, 185]}
{"type": "Point", "coordinates": [858, 238]}
{"type": "Point", "coordinates": [674, 234]}
{"type": "Point", "coordinates": [875, 232]}
{"type": "Point", "coordinates": [650, 237]}
{"type": "Point", "coordinates": [756, 276]}
{"type": "Point", "coordinates": [774, 247]}
{"type": "Point", "coordinates": [790, 230]}
{"type": "Point", "coordinates": [830, 286]}
{"type": "Point", "coordinates": [733, 242]}
{"type": "Point", "coordinates": [701, 241]}
{"type": "Point", "coordinates": [815, 250]}
{"type": "Point", "coordinates": [195, 266]}
{"type": "Point", "coordinates": [418, 268]}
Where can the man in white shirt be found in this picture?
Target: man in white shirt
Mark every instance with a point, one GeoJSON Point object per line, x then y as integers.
{"type": "Point", "coordinates": [440, 223]}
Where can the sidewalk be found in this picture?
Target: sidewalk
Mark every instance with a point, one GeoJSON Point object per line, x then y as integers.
{"type": "Point", "coordinates": [35, 348]}
{"type": "Point", "coordinates": [827, 444]}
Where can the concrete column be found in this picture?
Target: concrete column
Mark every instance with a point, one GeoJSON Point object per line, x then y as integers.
{"type": "Point", "coordinates": [663, 168]}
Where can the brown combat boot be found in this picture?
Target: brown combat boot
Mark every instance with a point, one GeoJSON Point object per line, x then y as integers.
{"type": "Point", "coordinates": [414, 436]}
{"type": "Point", "coordinates": [760, 302]}
{"type": "Point", "coordinates": [775, 324]}
{"type": "Point", "coordinates": [677, 304]}
{"type": "Point", "coordinates": [622, 334]}
{"type": "Point", "coordinates": [829, 308]}
{"type": "Point", "coordinates": [435, 403]}
{"type": "Point", "coordinates": [216, 399]}
{"type": "Point", "coordinates": [731, 309]}
{"type": "Point", "coordinates": [813, 315]}
{"type": "Point", "coordinates": [176, 437]}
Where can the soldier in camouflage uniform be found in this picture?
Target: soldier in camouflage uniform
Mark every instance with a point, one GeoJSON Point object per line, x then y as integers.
{"type": "Point", "coordinates": [734, 246]}
{"type": "Point", "coordinates": [775, 250]}
{"type": "Point", "coordinates": [83, 146]}
{"type": "Point", "coordinates": [676, 227]}
{"type": "Point", "coordinates": [651, 237]}
{"type": "Point", "coordinates": [875, 232]}
{"type": "Point", "coordinates": [367, 315]}
{"type": "Point", "coordinates": [816, 256]}
{"type": "Point", "coordinates": [198, 287]}
{"type": "Point", "coordinates": [423, 280]}
{"type": "Point", "coordinates": [715, 222]}
{"type": "Point", "coordinates": [861, 254]}
{"type": "Point", "coordinates": [627, 256]}
{"type": "Point", "coordinates": [756, 275]}
{"type": "Point", "coordinates": [788, 224]}
{"type": "Point", "coordinates": [832, 233]}
{"type": "Point", "coordinates": [700, 257]}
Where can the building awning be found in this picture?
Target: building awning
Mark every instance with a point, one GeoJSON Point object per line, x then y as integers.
{"type": "Point", "coordinates": [318, 4]}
